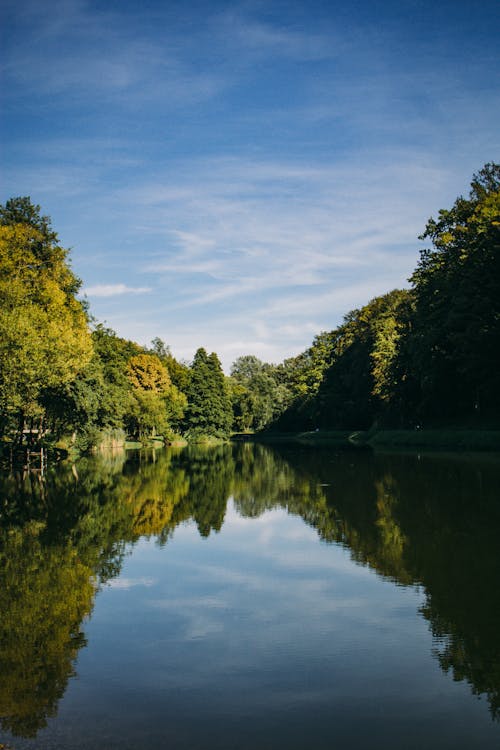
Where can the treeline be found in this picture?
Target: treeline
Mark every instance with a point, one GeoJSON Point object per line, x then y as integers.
{"type": "Point", "coordinates": [65, 377]}
{"type": "Point", "coordinates": [428, 355]}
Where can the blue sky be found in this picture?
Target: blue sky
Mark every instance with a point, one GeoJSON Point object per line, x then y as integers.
{"type": "Point", "coordinates": [238, 176]}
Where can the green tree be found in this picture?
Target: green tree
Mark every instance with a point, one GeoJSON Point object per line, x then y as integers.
{"type": "Point", "coordinates": [74, 408]}
{"type": "Point", "coordinates": [209, 409]}
{"type": "Point", "coordinates": [303, 376]}
{"type": "Point", "coordinates": [259, 392]}
{"type": "Point", "coordinates": [22, 211]}
{"type": "Point", "coordinates": [44, 337]}
{"type": "Point", "coordinates": [305, 371]}
{"type": "Point", "coordinates": [450, 359]}
{"type": "Point", "coordinates": [242, 404]}
{"type": "Point", "coordinates": [178, 371]}
{"type": "Point", "coordinates": [358, 386]}
{"type": "Point", "coordinates": [114, 353]}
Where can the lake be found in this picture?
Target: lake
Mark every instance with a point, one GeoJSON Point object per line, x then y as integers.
{"type": "Point", "coordinates": [248, 596]}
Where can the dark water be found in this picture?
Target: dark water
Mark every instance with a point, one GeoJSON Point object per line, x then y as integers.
{"type": "Point", "coordinates": [246, 597]}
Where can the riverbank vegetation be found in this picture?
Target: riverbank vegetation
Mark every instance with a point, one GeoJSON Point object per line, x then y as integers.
{"type": "Point", "coordinates": [412, 360]}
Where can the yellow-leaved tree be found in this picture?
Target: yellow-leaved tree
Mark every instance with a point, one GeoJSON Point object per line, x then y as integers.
{"type": "Point", "coordinates": [44, 336]}
{"type": "Point", "coordinates": [159, 405]}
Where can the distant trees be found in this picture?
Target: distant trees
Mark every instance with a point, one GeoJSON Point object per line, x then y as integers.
{"type": "Point", "coordinates": [134, 391]}
{"type": "Point", "coordinates": [178, 371]}
{"type": "Point", "coordinates": [259, 393]}
{"type": "Point", "coordinates": [303, 376]}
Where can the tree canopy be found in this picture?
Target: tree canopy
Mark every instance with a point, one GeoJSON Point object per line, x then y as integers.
{"type": "Point", "coordinates": [44, 336]}
{"type": "Point", "coordinates": [208, 409]}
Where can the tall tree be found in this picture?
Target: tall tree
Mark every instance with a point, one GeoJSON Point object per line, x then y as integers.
{"type": "Point", "coordinates": [44, 337]}
{"type": "Point", "coordinates": [209, 409]}
{"type": "Point", "coordinates": [451, 347]}
{"type": "Point", "coordinates": [358, 386]}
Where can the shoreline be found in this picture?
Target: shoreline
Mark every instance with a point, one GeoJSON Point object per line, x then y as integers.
{"type": "Point", "coordinates": [431, 439]}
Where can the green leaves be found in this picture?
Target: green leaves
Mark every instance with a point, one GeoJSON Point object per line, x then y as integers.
{"type": "Point", "coordinates": [44, 340]}
{"type": "Point", "coordinates": [453, 344]}
{"type": "Point", "coordinates": [429, 354]}
{"type": "Point", "coordinates": [209, 409]}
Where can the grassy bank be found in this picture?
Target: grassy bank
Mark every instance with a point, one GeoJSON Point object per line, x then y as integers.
{"type": "Point", "coordinates": [437, 439]}
{"type": "Point", "coordinates": [442, 439]}
{"type": "Point", "coordinates": [324, 437]}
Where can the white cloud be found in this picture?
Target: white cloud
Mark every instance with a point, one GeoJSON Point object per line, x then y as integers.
{"type": "Point", "coordinates": [113, 290]}
{"type": "Point", "coordinates": [251, 227]}
{"type": "Point", "coordinates": [128, 583]}
{"type": "Point", "coordinates": [258, 255]}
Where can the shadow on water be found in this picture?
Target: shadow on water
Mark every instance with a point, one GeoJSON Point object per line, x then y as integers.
{"type": "Point", "coordinates": [431, 521]}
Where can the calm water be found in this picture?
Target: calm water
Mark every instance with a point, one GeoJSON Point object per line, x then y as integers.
{"type": "Point", "coordinates": [247, 597]}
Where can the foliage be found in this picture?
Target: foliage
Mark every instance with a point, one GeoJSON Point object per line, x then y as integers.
{"type": "Point", "coordinates": [258, 391]}
{"type": "Point", "coordinates": [305, 372]}
{"type": "Point", "coordinates": [44, 339]}
{"type": "Point", "coordinates": [22, 211]}
{"type": "Point", "coordinates": [424, 356]}
{"type": "Point", "coordinates": [155, 399]}
{"type": "Point", "coordinates": [428, 355]}
{"type": "Point", "coordinates": [178, 371]}
{"type": "Point", "coordinates": [45, 594]}
{"type": "Point", "coordinates": [358, 383]}
{"type": "Point", "coordinates": [147, 373]}
{"type": "Point", "coordinates": [209, 408]}
{"type": "Point", "coordinates": [450, 355]}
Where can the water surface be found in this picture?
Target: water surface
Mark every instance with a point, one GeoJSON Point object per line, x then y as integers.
{"type": "Point", "coordinates": [247, 596]}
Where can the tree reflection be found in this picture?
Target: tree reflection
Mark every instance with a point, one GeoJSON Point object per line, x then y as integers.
{"type": "Point", "coordinates": [45, 593]}
{"type": "Point", "coordinates": [415, 520]}
{"type": "Point", "coordinates": [59, 540]}
{"type": "Point", "coordinates": [432, 521]}
{"type": "Point", "coordinates": [211, 476]}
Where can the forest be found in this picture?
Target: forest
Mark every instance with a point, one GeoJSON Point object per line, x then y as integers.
{"type": "Point", "coordinates": [427, 356]}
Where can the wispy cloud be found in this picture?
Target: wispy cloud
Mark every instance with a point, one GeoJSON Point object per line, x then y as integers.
{"type": "Point", "coordinates": [253, 226]}
{"type": "Point", "coordinates": [260, 39]}
{"type": "Point", "coordinates": [113, 290]}
{"type": "Point", "coordinates": [263, 254]}
{"type": "Point", "coordinates": [256, 173]}
{"type": "Point", "coordinates": [106, 58]}
{"type": "Point", "coordinates": [128, 583]}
